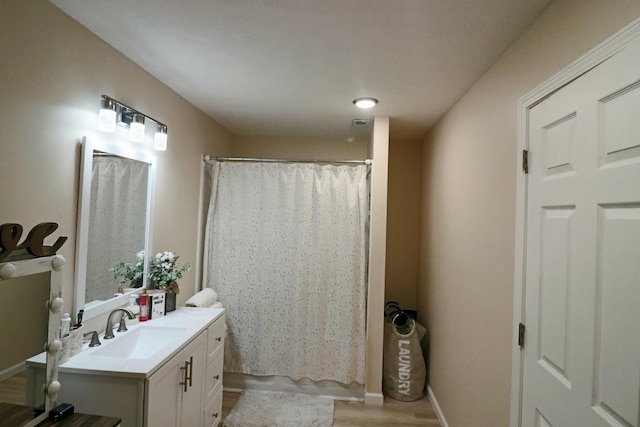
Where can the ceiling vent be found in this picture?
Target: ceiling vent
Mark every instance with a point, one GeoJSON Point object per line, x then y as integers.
{"type": "Point", "coordinates": [360, 123]}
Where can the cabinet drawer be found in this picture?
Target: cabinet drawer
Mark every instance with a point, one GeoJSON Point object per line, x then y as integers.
{"type": "Point", "coordinates": [215, 341]}
{"type": "Point", "coordinates": [214, 377]}
{"type": "Point", "coordinates": [213, 411]}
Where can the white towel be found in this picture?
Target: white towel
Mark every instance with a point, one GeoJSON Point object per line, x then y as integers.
{"type": "Point", "coordinates": [204, 298]}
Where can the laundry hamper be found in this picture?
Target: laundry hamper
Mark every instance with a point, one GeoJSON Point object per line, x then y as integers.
{"type": "Point", "coordinates": [404, 369]}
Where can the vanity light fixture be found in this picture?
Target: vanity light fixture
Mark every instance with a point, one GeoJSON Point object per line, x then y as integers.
{"type": "Point", "coordinates": [365, 102]}
{"type": "Point", "coordinates": [160, 138]}
{"type": "Point", "coordinates": [113, 111]}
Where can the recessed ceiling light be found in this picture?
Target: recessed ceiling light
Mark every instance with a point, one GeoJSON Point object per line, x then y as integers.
{"type": "Point", "coordinates": [365, 102]}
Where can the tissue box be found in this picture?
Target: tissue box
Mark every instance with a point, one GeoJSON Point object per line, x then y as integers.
{"type": "Point", "coordinates": [157, 303]}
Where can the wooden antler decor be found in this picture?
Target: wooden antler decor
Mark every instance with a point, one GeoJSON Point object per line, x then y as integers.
{"type": "Point", "coordinates": [10, 235]}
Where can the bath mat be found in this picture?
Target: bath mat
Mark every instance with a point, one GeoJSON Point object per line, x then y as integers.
{"type": "Point", "coordinates": [270, 409]}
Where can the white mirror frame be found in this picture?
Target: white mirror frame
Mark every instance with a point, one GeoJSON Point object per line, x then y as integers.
{"type": "Point", "coordinates": [89, 145]}
{"type": "Point", "coordinates": [26, 267]}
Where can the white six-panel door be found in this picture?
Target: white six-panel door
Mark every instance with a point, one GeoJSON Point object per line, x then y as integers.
{"type": "Point", "coordinates": [582, 270]}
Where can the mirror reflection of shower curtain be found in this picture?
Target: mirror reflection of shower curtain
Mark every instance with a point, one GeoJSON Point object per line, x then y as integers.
{"type": "Point", "coordinates": [285, 249]}
{"type": "Point", "coordinates": [117, 214]}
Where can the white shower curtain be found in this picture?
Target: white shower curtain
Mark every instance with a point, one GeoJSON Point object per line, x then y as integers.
{"type": "Point", "coordinates": [118, 191]}
{"type": "Point", "coordinates": [286, 253]}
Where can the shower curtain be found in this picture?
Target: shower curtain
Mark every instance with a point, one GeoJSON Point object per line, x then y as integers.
{"type": "Point", "coordinates": [118, 190]}
{"type": "Point", "coordinates": [286, 253]}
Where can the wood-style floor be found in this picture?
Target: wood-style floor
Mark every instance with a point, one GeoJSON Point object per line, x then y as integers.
{"type": "Point", "coordinates": [12, 390]}
{"type": "Point", "coordinates": [346, 414]}
{"type": "Point", "coordinates": [354, 414]}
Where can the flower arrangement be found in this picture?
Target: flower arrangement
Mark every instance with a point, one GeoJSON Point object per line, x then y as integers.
{"type": "Point", "coordinates": [164, 270]}
{"type": "Point", "coordinates": [130, 272]}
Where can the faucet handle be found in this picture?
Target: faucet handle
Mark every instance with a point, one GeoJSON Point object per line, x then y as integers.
{"type": "Point", "coordinates": [122, 327]}
{"type": "Point", "coordinates": [95, 341]}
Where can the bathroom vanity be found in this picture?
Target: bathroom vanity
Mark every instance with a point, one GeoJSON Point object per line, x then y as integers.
{"type": "Point", "coordinates": [163, 372]}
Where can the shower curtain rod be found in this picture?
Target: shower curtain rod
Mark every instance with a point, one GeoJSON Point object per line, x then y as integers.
{"type": "Point", "coordinates": [252, 159]}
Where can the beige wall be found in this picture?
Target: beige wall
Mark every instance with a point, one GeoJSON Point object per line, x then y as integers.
{"type": "Point", "coordinates": [465, 293]}
{"type": "Point", "coordinates": [403, 221]}
{"type": "Point", "coordinates": [299, 148]}
{"type": "Point", "coordinates": [52, 74]}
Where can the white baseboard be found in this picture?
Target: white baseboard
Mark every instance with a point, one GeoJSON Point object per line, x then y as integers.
{"type": "Point", "coordinates": [436, 406]}
{"type": "Point", "coordinates": [374, 399]}
{"type": "Point", "coordinates": [12, 370]}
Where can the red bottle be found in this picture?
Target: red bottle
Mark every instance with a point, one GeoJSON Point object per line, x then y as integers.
{"type": "Point", "coordinates": [144, 307]}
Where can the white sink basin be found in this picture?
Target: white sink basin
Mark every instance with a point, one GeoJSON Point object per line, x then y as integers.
{"type": "Point", "coordinates": [140, 343]}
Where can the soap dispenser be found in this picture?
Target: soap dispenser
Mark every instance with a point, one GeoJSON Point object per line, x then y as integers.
{"type": "Point", "coordinates": [134, 308]}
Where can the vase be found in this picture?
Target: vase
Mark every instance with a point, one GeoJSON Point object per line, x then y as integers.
{"type": "Point", "coordinates": [169, 301]}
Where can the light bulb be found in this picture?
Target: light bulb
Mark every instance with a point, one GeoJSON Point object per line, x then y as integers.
{"type": "Point", "coordinates": [160, 138]}
{"type": "Point", "coordinates": [136, 128]}
{"type": "Point", "coordinates": [107, 117]}
{"type": "Point", "coordinates": [366, 102]}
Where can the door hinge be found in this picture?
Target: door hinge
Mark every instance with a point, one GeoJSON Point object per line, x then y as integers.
{"type": "Point", "coordinates": [525, 161]}
{"type": "Point", "coordinates": [521, 329]}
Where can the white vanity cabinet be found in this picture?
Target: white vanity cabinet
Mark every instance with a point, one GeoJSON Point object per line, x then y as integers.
{"type": "Point", "coordinates": [183, 389]}
{"type": "Point", "coordinates": [175, 393]}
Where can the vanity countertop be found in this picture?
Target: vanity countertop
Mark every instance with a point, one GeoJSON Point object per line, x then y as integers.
{"type": "Point", "coordinates": [189, 320]}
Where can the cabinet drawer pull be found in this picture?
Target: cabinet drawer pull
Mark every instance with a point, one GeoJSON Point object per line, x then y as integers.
{"type": "Point", "coordinates": [219, 339]}
{"type": "Point", "coordinates": [217, 377]}
{"type": "Point", "coordinates": [184, 381]}
{"type": "Point", "coordinates": [215, 415]}
{"type": "Point", "coordinates": [190, 371]}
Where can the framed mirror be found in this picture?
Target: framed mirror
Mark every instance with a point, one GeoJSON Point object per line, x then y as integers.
{"type": "Point", "coordinates": [28, 375]}
{"type": "Point", "coordinates": [114, 223]}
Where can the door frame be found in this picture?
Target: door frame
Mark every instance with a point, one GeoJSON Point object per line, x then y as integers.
{"type": "Point", "coordinates": [596, 56]}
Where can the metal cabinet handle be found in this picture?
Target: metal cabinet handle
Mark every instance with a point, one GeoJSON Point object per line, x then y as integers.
{"type": "Point", "coordinates": [188, 373]}
{"type": "Point", "coordinates": [219, 339]}
{"type": "Point", "coordinates": [184, 382]}
{"type": "Point", "coordinates": [217, 377]}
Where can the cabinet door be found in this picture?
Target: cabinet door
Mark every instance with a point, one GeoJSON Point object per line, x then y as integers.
{"type": "Point", "coordinates": [164, 394]}
{"type": "Point", "coordinates": [192, 399]}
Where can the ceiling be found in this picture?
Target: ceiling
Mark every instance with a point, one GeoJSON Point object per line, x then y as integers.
{"type": "Point", "coordinates": [292, 67]}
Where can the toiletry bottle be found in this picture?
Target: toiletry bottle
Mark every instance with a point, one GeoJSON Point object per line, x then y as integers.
{"type": "Point", "coordinates": [134, 308]}
{"type": "Point", "coordinates": [144, 306]}
{"type": "Point", "coordinates": [65, 325]}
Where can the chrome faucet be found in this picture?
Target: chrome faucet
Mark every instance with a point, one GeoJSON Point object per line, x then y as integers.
{"type": "Point", "coordinates": [108, 333]}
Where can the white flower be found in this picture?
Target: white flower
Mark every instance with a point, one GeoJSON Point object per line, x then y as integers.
{"type": "Point", "coordinates": [164, 269]}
